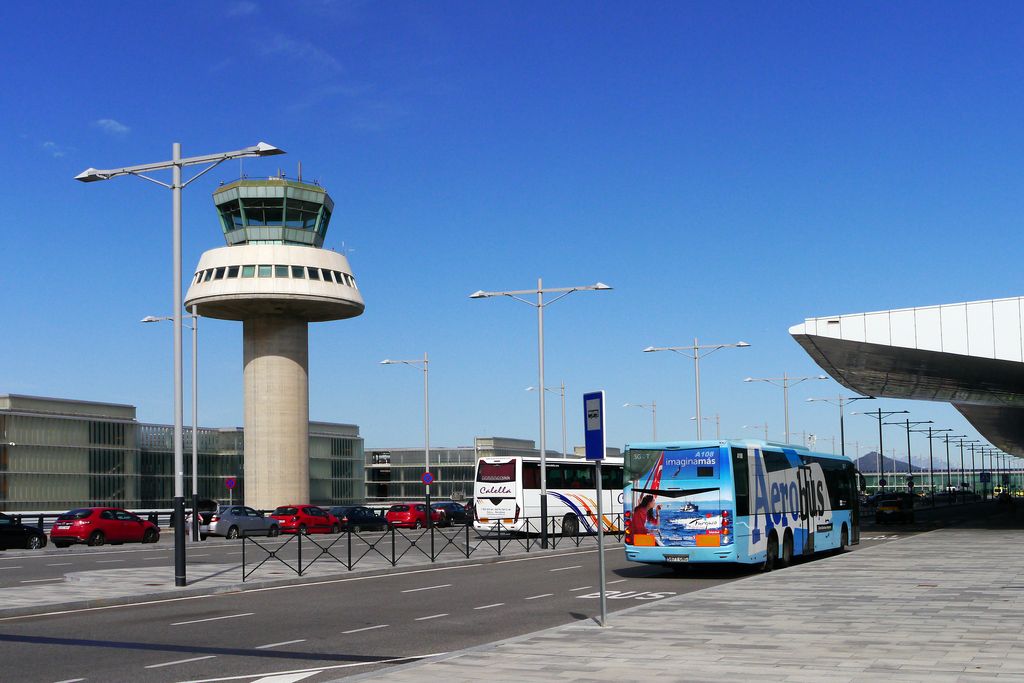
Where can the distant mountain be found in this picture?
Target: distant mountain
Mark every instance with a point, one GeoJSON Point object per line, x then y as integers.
{"type": "Point", "coordinates": [868, 464]}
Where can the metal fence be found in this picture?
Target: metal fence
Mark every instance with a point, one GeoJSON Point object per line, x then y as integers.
{"type": "Point", "coordinates": [299, 552]}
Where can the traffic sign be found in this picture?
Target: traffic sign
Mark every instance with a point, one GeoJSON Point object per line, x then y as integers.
{"type": "Point", "coordinates": [427, 478]}
{"type": "Point", "coordinates": [882, 482]}
{"type": "Point", "coordinates": [985, 477]}
{"type": "Point", "coordinates": [230, 482]}
{"type": "Point", "coordinates": [593, 424]}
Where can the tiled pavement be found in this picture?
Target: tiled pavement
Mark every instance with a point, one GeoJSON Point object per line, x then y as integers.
{"type": "Point", "coordinates": [947, 605]}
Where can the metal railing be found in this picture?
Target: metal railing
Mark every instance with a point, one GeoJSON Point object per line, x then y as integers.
{"type": "Point", "coordinates": [299, 552]}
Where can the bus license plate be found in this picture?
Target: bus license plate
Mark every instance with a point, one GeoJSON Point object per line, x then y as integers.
{"type": "Point", "coordinates": [677, 558]}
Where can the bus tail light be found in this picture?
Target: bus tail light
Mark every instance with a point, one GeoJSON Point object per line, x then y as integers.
{"type": "Point", "coordinates": [627, 516]}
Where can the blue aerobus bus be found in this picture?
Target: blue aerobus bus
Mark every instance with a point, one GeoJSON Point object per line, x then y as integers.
{"type": "Point", "coordinates": [743, 501]}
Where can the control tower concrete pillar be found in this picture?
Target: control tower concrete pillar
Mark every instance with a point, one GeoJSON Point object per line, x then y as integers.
{"type": "Point", "coordinates": [276, 357]}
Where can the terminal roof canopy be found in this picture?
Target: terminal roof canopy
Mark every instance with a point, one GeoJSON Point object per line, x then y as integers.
{"type": "Point", "coordinates": [969, 354]}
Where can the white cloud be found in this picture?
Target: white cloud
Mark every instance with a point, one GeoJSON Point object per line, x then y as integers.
{"type": "Point", "coordinates": [301, 50]}
{"type": "Point", "coordinates": [111, 126]}
{"type": "Point", "coordinates": [55, 150]}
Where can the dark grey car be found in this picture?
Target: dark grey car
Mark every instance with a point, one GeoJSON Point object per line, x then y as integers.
{"type": "Point", "coordinates": [232, 521]}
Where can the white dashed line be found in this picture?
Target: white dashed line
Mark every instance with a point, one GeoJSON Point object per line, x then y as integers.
{"type": "Point", "coordinates": [432, 616]}
{"type": "Point", "coordinates": [107, 561]}
{"type": "Point", "coordinates": [179, 661]}
{"type": "Point", "coordinates": [197, 621]}
{"type": "Point", "coordinates": [10, 567]}
{"type": "Point", "coordinates": [287, 642]}
{"type": "Point", "coordinates": [60, 564]}
{"type": "Point", "coordinates": [199, 554]}
{"type": "Point", "coordinates": [616, 581]}
{"type": "Point", "coordinates": [41, 580]}
{"type": "Point", "coordinates": [562, 569]}
{"type": "Point", "coordinates": [497, 604]}
{"type": "Point", "coordinates": [545, 595]}
{"type": "Point", "coordinates": [367, 628]}
{"type": "Point", "coordinates": [581, 588]}
{"type": "Point", "coordinates": [72, 680]}
{"type": "Point", "coordinates": [427, 588]}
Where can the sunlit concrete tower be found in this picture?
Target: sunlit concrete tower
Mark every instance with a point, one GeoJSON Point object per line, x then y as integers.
{"type": "Point", "coordinates": [276, 277]}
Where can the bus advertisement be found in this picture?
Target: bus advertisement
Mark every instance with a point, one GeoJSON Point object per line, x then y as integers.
{"type": "Point", "coordinates": [744, 501]}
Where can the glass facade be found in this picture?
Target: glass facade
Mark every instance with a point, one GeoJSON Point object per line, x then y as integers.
{"type": "Point", "coordinates": [57, 454]}
{"type": "Point", "coordinates": [395, 474]}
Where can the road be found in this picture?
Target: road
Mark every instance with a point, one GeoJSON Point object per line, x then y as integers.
{"type": "Point", "coordinates": [336, 627]}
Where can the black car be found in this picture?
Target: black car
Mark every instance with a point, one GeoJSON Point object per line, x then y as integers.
{"type": "Point", "coordinates": [358, 518]}
{"type": "Point", "coordinates": [15, 535]}
{"type": "Point", "coordinates": [454, 513]}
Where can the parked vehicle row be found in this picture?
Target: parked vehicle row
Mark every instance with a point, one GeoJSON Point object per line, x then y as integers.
{"type": "Point", "coordinates": [97, 526]}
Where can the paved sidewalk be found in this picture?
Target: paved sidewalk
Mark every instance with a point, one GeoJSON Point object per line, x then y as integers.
{"type": "Point", "coordinates": [946, 605]}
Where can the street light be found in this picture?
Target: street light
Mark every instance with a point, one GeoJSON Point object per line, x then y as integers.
{"type": "Point", "coordinates": [426, 420]}
{"type": "Point", "coordinates": [195, 412]}
{"type": "Point", "coordinates": [694, 352]}
{"type": "Point", "coordinates": [561, 391]}
{"type": "Point", "coordinates": [786, 382]}
{"type": "Point", "coordinates": [718, 424]}
{"type": "Point", "coordinates": [910, 463]}
{"type": "Point", "coordinates": [931, 463]}
{"type": "Point", "coordinates": [653, 405]}
{"type": "Point", "coordinates": [841, 401]}
{"type": "Point", "coordinates": [762, 426]}
{"type": "Point", "coordinates": [881, 415]}
{"type": "Point", "coordinates": [176, 163]}
{"type": "Point", "coordinates": [949, 471]}
{"type": "Point", "coordinates": [539, 305]}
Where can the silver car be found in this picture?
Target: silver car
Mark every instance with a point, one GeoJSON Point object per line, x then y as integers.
{"type": "Point", "coordinates": [232, 521]}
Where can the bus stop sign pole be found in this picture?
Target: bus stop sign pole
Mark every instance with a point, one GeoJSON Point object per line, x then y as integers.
{"type": "Point", "coordinates": [593, 424]}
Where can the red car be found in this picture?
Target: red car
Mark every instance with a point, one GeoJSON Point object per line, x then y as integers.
{"type": "Point", "coordinates": [96, 526]}
{"type": "Point", "coordinates": [412, 516]}
{"type": "Point", "coordinates": [305, 519]}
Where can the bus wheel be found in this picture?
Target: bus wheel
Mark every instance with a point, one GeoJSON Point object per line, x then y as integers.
{"type": "Point", "coordinates": [570, 525]}
{"type": "Point", "coordinates": [771, 554]}
{"type": "Point", "coordinates": [787, 550]}
{"type": "Point", "coordinates": [844, 539]}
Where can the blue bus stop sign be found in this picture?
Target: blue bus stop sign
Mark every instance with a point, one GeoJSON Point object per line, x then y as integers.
{"type": "Point", "coordinates": [593, 425]}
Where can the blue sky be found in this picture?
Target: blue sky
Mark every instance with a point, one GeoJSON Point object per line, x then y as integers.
{"type": "Point", "coordinates": [729, 168]}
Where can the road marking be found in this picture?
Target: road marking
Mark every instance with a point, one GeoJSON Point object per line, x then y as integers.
{"type": "Point", "coordinates": [41, 580]}
{"type": "Point", "coordinates": [562, 569]}
{"type": "Point", "coordinates": [366, 628]}
{"type": "Point", "coordinates": [153, 558]}
{"type": "Point", "coordinates": [616, 581]}
{"type": "Point", "coordinates": [287, 642]}
{"type": "Point", "coordinates": [59, 564]}
{"type": "Point", "coordinates": [278, 676]}
{"type": "Point", "coordinates": [198, 554]}
{"type": "Point", "coordinates": [497, 604]}
{"type": "Point", "coordinates": [108, 561]}
{"type": "Point", "coordinates": [545, 595]}
{"type": "Point", "coordinates": [581, 588]}
{"type": "Point", "coordinates": [197, 621]}
{"type": "Point", "coordinates": [427, 588]}
{"type": "Point", "coordinates": [72, 680]}
{"type": "Point", "coordinates": [432, 616]}
{"type": "Point", "coordinates": [180, 661]}
{"type": "Point", "coordinates": [10, 567]}
{"type": "Point", "coordinates": [287, 678]}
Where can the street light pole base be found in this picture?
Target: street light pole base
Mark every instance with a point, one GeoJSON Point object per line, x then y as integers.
{"type": "Point", "coordinates": [179, 541]}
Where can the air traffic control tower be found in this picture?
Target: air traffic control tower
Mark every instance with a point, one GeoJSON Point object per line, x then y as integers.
{"type": "Point", "coordinates": [275, 276]}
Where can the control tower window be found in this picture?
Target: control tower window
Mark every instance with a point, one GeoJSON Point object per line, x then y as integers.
{"type": "Point", "coordinates": [299, 272]}
{"type": "Point", "coordinates": [248, 271]}
{"type": "Point", "coordinates": [220, 274]}
{"type": "Point", "coordinates": [232, 213]}
{"type": "Point", "coordinates": [326, 274]}
{"type": "Point", "coordinates": [232, 271]}
{"type": "Point", "coordinates": [208, 275]}
{"type": "Point", "coordinates": [314, 273]}
{"type": "Point", "coordinates": [280, 271]}
{"type": "Point", "coordinates": [300, 214]}
{"type": "Point", "coordinates": [263, 211]}
{"type": "Point", "coordinates": [339, 278]}
{"type": "Point", "coordinates": [266, 271]}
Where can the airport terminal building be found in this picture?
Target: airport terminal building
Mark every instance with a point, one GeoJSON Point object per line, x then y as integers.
{"type": "Point", "coordinates": [56, 454]}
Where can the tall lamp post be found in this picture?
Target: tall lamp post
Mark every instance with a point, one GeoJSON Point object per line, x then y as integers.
{"type": "Point", "coordinates": [932, 434]}
{"type": "Point", "coordinates": [880, 415]}
{"type": "Point", "coordinates": [539, 304]}
{"type": "Point", "coordinates": [963, 469]}
{"type": "Point", "coordinates": [949, 470]}
{"type": "Point", "coordinates": [841, 401]}
{"type": "Point", "coordinates": [696, 352]}
{"type": "Point", "coordinates": [195, 412]}
{"type": "Point", "coordinates": [653, 406]}
{"type": "Point", "coordinates": [561, 391]}
{"type": "Point", "coordinates": [176, 185]}
{"type": "Point", "coordinates": [760, 426]}
{"type": "Point", "coordinates": [717, 419]}
{"type": "Point", "coordinates": [910, 463]}
{"type": "Point", "coordinates": [426, 421]}
{"type": "Point", "coordinates": [785, 382]}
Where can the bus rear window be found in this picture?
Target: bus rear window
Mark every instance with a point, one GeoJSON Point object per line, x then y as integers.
{"type": "Point", "coordinates": [490, 472]}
